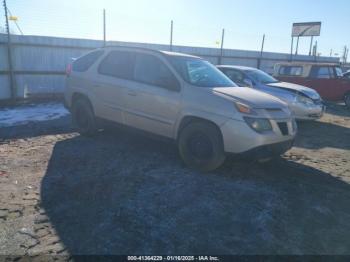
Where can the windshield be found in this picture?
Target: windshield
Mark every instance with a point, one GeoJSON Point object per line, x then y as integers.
{"type": "Point", "coordinates": [199, 72]}
{"type": "Point", "coordinates": [261, 77]}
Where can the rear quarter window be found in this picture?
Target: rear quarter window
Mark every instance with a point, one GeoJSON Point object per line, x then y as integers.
{"type": "Point", "coordinates": [83, 64]}
{"type": "Point", "coordinates": [291, 71]}
{"type": "Point", "coordinates": [119, 64]}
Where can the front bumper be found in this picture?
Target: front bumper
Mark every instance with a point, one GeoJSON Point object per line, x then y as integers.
{"type": "Point", "coordinates": [268, 151]}
{"type": "Point", "coordinates": [302, 112]}
{"type": "Point", "coordinates": [239, 138]}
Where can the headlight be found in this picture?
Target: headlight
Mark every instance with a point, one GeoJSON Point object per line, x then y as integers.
{"type": "Point", "coordinates": [304, 100]}
{"type": "Point", "coordinates": [258, 124]}
{"type": "Point", "coordinates": [244, 109]}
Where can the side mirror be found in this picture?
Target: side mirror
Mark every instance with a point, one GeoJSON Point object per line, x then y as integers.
{"type": "Point", "coordinates": [248, 82]}
{"type": "Point", "coordinates": [170, 83]}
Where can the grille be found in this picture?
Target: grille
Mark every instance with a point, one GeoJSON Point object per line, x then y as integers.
{"type": "Point", "coordinates": [283, 127]}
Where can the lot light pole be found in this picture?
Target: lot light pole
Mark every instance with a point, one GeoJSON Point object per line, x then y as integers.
{"type": "Point", "coordinates": [345, 54]}
{"type": "Point", "coordinates": [297, 47]}
{"type": "Point", "coordinates": [222, 46]}
{"type": "Point", "coordinates": [171, 35]}
{"type": "Point", "coordinates": [104, 27]}
{"type": "Point", "coordinates": [291, 49]}
{"type": "Point", "coordinates": [312, 40]}
{"type": "Point", "coordinates": [9, 55]}
{"type": "Point", "coordinates": [315, 51]}
{"type": "Point", "coordinates": [261, 52]}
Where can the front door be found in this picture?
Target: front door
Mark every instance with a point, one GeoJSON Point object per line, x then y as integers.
{"type": "Point", "coordinates": [324, 81]}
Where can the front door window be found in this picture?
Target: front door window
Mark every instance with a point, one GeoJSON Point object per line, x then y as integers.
{"type": "Point", "coordinates": [322, 72]}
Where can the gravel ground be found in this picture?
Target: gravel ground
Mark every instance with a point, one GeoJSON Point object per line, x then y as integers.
{"type": "Point", "coordinates": [123, 193]}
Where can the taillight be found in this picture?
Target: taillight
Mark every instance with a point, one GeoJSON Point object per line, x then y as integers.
{"type": "Point", "coordinates": [69, 69]}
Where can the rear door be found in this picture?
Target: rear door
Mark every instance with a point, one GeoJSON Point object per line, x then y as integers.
{"type": "Point", "coordinates": [343, 82]}
{"type": "Point", "coordinates": [114, 76]}
{"type": "Point", "coordinates": [154, 99]}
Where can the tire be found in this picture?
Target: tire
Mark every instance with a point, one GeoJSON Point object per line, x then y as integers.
{"type": "Point", "coordinates": [84, 118]}
{"type": "Point", "coordinates": [201, 146]}
{"type": "Point", "coordinates": [347, 100]}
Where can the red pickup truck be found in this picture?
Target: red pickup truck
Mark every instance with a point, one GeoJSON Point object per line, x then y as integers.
{"type": "Point", "coordinates": [327, 79]}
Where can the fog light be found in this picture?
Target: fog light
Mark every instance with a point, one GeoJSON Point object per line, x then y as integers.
{"type": "Point", "coordinates": [258, 124]}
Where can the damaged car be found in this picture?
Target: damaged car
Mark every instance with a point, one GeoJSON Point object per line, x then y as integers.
{"type": "Point", "coordinates": [304, 102]}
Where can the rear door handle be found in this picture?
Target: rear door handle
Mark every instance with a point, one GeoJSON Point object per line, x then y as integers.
{"type": "Point", "coordinates": [130, 93]}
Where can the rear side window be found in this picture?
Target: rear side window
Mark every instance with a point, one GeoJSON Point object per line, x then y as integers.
{"type": "Point", "coordinates": [119, 64]}
{"type": "Point", "coordinates": [324, 72]}
{"type": "Point", "coordinates": [83, 64]}
{"type": "Point", "coordinates": [151, 70]}
{"type": "Point", "coordinates": [291, 70]}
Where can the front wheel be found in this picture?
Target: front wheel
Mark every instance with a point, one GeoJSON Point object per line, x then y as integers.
{"type": "Point", "coordinates": [201, 146]}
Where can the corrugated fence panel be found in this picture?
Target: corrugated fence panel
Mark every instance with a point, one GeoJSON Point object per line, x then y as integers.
{"type": "Point", "coordinates": [239, 61]}
{"type": "Point", "coordinates": [3, 58]}
{"type": "Point", "coordinates": [5, 92]}
{"type": "Point", "coordinates": [46, 58]}
{"type": "Point", "coordinates": [39, 84]}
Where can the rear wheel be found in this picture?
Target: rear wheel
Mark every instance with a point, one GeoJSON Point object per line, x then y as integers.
{"type": "Point", "coordinates": [201, 146]}
{"type": "Point", "coordinates": [84, 118]}
{"type": "Point", "coordinates": [347, 100]}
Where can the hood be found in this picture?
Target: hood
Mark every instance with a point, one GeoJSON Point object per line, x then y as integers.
{"type": "Point", "coordinates": [251, 97]}
{"type": "Point", "coordinates": [296, 88]}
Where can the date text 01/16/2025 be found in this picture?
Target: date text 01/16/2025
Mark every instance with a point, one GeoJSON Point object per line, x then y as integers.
{"type": "Point", "coordinates": [173, 258]}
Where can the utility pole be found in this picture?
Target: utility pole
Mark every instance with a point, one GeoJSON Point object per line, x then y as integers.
{"type": "Point", "coordinates": [222, 45]}
{"type": "Point", "coordinates": [171, 35]}
{"type": "Point", "coordinates": [9, 56]}
{"type": "Point", "coordinates": [104, 27]}
{"type": "Point", "coordinates": [261, 52]}
{"type": "Point", "coordinates": [331, 53]}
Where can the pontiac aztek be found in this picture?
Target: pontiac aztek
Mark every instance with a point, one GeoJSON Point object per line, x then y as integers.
{"type": "Point", "coordinates": [178, 96]}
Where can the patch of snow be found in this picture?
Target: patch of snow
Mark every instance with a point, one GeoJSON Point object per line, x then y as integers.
{"type": "Point", "coordinates": [31, 113]}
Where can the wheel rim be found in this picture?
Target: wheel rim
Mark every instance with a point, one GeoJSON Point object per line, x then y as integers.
{"type": "Point", "coordinates": [82, 118]}
{"type": "Point", "coordinates": [200, 146]}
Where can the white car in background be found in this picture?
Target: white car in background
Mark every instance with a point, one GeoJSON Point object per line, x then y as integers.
{"type": "Point", "coordinates": [305, 103]}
